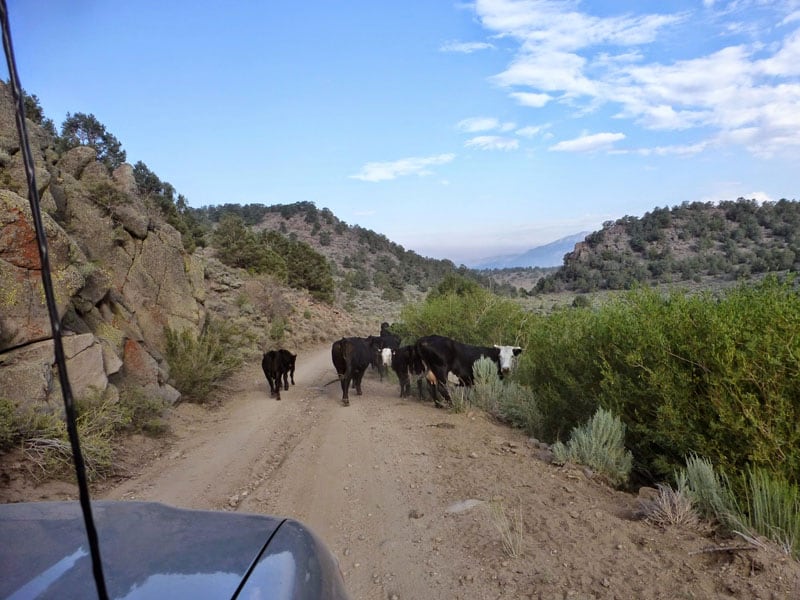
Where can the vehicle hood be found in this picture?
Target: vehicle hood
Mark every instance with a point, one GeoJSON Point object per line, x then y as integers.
{"type": "Point", "coordinates": [150, 550]}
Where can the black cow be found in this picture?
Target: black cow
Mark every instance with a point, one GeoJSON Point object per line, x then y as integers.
{"type": "Point", "coordinates": [351, 357]}
{"type": "Point", "coordinates": [277, 365]}
{"type": "Point", "coordinates": [406, 362]}
{"type": "Point", "coordinates": [288, 360]}
{"type": "Point", "coordinates": [380, 350]}
{"type": "Point", "coordinates": [441, 355]}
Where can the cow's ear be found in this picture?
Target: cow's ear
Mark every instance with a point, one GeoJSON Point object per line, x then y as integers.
{"type": "Point", "coordinates": [517, 351]}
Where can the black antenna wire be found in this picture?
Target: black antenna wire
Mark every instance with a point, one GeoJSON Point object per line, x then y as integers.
{"type": "Point", "coordinates": [55, 325]}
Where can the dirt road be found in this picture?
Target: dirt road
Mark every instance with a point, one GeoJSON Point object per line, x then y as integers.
{"type": "Point", "coordinates": [401, 493]}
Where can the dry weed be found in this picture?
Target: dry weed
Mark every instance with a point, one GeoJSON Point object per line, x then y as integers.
{"type": "Point", "coordinates": [670, 507]}
{"type": "Point", "coordinates": [510, 527]}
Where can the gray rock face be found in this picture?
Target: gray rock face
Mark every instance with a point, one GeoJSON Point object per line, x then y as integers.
{"type": "Point", "coordinates": [23, 311]}
{"type": "Point", "coordinates": [120, 274]}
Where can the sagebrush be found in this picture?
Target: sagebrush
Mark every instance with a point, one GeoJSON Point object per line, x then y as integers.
{"type": "Point", "coordinates": [599, 444]}
{"type": "Point", "coordinates": [198, 363]}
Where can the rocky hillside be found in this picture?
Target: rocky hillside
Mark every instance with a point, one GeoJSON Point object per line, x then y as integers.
{"type": "Point", "coordinates": [708, 243]}
{"type": "Point", "coordinates": [370, 271]}
{"type": "Point", "coordinates": [122, 276]}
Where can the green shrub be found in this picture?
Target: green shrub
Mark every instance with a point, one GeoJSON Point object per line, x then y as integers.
{"type": "Point", "coordinates": [277, 330]}
{"type": "Point", "coordinates": [600, 445]}
{"type": "Point", "coordinates": [686, 373]}
{"type": "Point", "coordinates": [771, 507]}
{"type": "Point", "coordinates": [105, 195]}
{"type": "Point", "coordinates": [505, 400]}
{"type": "Point", "coordinates": [473, 317]}
{"type": "Point", "coordinates": [519, 408]}
{"type": "Point", "coordinates": [705, 374]}
{"type": "Point", "coordinates": [197, 364]}
{"type": "Point", "coordinates": [560, 362]}
{"type": "Point", "coordinates": [488, 388]}
{"type": "Point", "coordinates": [146, 413]}
{"type": "Point", "coordinates": [710, 491]}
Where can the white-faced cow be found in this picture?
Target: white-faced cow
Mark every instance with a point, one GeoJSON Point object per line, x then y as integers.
{"type": "Point", "coordinates": [441, 355]}
{"type": "Point", "coordinates": [351, 357]}
{"type": "Point", "coordinates": [381, 347]}
{"type": "Point", "coordinates": [278, 365]}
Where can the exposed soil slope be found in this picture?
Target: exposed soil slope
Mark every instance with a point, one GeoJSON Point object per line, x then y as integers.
{"type": "Point", "coordinates": [400, 491]}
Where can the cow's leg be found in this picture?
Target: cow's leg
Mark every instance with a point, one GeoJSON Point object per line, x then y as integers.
{"type": "Point", "coordinates": [405, 385]}
{"type": "Point", "coordinates": [275, 387]}
{"type": "Point", "coordinates": [445, 392]}
{"type": "Point", "coordinates": [437, 378]}
{"type": "Point", "coordinates": [286, 380]}
{"type": "Point", "coordinates": [345, 388]}
{"type": "Point", "coordinates": [291, 374]}
{"type": "Point", "coordinates": [357, 378]}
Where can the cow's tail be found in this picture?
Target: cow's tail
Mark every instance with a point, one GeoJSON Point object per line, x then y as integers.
{"type": "Point", "coordinates": [332, 381]}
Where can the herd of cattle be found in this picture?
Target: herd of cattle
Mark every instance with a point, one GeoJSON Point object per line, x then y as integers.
{"type": "Point", "coordinates": [431, 356]}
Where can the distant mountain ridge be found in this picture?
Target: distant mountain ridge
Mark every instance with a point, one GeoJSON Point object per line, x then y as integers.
{"type": "Point", "coordinates": [546, 255]}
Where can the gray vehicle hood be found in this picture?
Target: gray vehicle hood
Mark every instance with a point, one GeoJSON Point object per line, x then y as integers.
{"type": "Point", "coordinates": [150, 550]}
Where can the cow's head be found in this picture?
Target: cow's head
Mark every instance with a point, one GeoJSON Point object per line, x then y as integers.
{"type": "Point", "coordinates": [507, 355]}
{"type": "Point", "coordinates": [386, 357]}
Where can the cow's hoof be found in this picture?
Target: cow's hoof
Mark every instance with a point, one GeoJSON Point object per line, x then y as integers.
{"type": "Point", "coordinates": [345, 402]}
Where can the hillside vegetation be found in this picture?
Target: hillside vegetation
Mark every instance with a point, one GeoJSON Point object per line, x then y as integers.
{"type": "Point", "coordinates": [694, 242]}
{"type": "Point", "coordinates": [361, 261]}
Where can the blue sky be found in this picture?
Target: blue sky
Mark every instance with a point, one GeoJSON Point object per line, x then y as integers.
{"type": "Point", "coordinates": [460, 130]}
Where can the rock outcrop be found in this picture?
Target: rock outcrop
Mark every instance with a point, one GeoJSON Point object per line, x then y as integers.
{"type": "Point", "coordinates": [120, 273]}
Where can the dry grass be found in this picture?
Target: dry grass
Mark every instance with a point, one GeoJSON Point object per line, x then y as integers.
{"type": "Point", "coordinates": [670, 507]}
{"type": "Point", "coordinates": [510, 526]}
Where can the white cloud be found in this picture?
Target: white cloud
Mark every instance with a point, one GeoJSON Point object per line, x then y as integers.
{"type": "Point", "coordinates": [791, 18]}
{"type": "Point", "coordinates": [475, 124]}
{"type": "Point", "coordinates": [465, 47]}
{"type": "Point", "coordinates": [759, 197]}
{"type": "Point", "coordinates": [676, 150]}
{"type": "Point", "coordinates": [747, 92]}
{"type": "Point", "coordinates": [492, 142]}
{"type": "Point", "coordinates": [589, 143]}
{"type": "Point", "coordinates": [384, 171]}
{"type": "Point", "coordinates": [531, 99]}
{"type": "Point", "coordinates": [531, 130]}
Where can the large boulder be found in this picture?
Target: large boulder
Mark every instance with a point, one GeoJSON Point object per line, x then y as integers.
{"type": "Point", "coordinates": [23, 311]}
{"type": "Point", "coordinates": [75, 161]}
{"type": "Point", "coordinates": [28, 375]}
